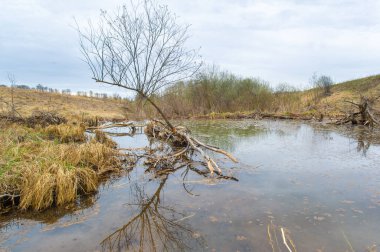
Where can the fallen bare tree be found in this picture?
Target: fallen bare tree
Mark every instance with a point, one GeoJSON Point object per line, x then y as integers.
{"type": "Point", "coordinates": [175, 147]}
{"type": "Point", "coordinates": [181, 138]}
{"type": "Point", "coordinates": [364, 114]}
{"type": "Point", "coordinates": [142, 48]}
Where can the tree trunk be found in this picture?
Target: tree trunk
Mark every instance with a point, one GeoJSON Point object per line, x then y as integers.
{"type": "Point", "coordinates": [159, 110]}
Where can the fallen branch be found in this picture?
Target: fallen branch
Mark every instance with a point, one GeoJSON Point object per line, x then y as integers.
{"type": "Point", "coordinates": [179, 137]}
{"type": "Point", "coordinates": [116, 125]}
{"type": "Point", "coordinates": [284, 240]}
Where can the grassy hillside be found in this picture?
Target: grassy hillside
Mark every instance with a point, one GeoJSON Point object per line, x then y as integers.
{"type": "Point", "coordinates": [27, 101]}
{"type": "Point", "coordinates": [347, 91]}
{"type": "Point", "coordinates": [176, 104]}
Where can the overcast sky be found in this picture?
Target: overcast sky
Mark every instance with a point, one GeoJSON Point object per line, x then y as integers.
{"type": "Point", "coordinates": [276, 40]}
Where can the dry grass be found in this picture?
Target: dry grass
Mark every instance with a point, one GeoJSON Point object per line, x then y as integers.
{"type": "Point", "coordinates": [335, 104]}
{"type": "Point", "coordinates": [51, 166]}
{"type": "Point", "coordinates": [70, 106]}
{"type": "Point", "coordinates": [101, 137]}
{"type": "Point", "coordinates": [66, 133]}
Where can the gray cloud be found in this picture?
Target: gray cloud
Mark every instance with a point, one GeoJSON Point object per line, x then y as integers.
{"type": "Point", "coordinates": [277, 40]}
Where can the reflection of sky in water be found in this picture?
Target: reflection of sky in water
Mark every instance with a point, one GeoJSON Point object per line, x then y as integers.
{"type": "Point", "coordinates": [311, 180]}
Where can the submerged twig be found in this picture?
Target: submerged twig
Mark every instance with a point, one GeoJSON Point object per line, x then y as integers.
{"type": "Point", "coordinates": [284, 240]}
{"type": "Point", "coordinates": [347, 241]}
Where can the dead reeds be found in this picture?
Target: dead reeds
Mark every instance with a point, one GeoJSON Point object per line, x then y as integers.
{"type": "Point", "coordinates": [51, 166]}
{"type": "Point", "coordinates": [65, 133]}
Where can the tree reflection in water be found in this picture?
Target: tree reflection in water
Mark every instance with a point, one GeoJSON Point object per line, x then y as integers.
{"type": "Point", "coordinates": [156, 227]}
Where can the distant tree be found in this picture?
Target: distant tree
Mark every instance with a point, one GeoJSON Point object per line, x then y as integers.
{"type": "Point", "coordinates": [12, 81]}
{"type": "Point", "coordinates": [285, 88]}
{"type": "Point", "coordinates": [22, 86]}
{"type": "Point", "coordinates": [66, 91]}
{"type": "Point", "coordinates": [140, 48]}
{"type": "Point", "coordinates": [116, 97]}
{"type": "Point", "coordinates": [39, 87]}
{"type": "Point", "coordinates": [323, 83]}
{"type": "Point", "coordinates": [11, 104]}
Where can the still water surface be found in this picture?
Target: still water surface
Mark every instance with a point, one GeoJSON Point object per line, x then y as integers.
{"type": "Point", "coordinates": [320, 185]}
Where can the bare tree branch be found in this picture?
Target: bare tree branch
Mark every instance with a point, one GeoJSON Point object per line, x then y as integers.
{"type": "Point", "coordinates": [140, 47]}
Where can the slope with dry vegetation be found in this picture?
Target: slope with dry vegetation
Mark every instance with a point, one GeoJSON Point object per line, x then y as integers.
{"type": "Point", "coordinates": [27, 101]}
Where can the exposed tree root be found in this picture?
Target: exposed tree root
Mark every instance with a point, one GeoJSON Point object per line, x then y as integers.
{"type": "Point", "coordinates": [364, 114]}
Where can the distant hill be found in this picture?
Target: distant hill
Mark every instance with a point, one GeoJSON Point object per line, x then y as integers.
{"type": "Point", "coordinates": [349, 91]}
{"type": "Point", "coordinates": [27, 101]}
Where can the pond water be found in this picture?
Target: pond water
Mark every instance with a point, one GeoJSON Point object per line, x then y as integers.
{"type": "Point", "coordinates": [316, 187]}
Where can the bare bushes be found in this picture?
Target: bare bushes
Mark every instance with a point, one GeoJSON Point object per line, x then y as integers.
{"type": "Point", "coordinates": [321, 86]}
{"type": "Point", "coordinates": [217, 92]}
{"type": "Point", "coordinates": [222, 92]}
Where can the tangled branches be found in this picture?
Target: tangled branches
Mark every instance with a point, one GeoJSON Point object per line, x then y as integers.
{"type": "Point", "coordinates": [174, 148]}
{"type": "Point", "coordinates": [181, 140]}
{"type": "Point", "coordinates": [364, 114]}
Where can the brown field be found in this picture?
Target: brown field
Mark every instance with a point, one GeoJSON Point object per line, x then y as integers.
{"type": "Point", "coordinates": [27, 101]}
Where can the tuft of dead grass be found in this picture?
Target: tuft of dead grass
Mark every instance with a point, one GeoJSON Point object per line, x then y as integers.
{"type": "Point", "coordinates": [40, 168]}
{"type": "Point", "coordinates": [101, 137]}
{"type": "Point", "coordinates": [66, 133]}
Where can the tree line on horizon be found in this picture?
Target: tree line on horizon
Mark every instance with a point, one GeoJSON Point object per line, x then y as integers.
{"type": "Point", "coordinates": [90, 93]}
{"type": "Point", "coordinates": [215, 91]}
